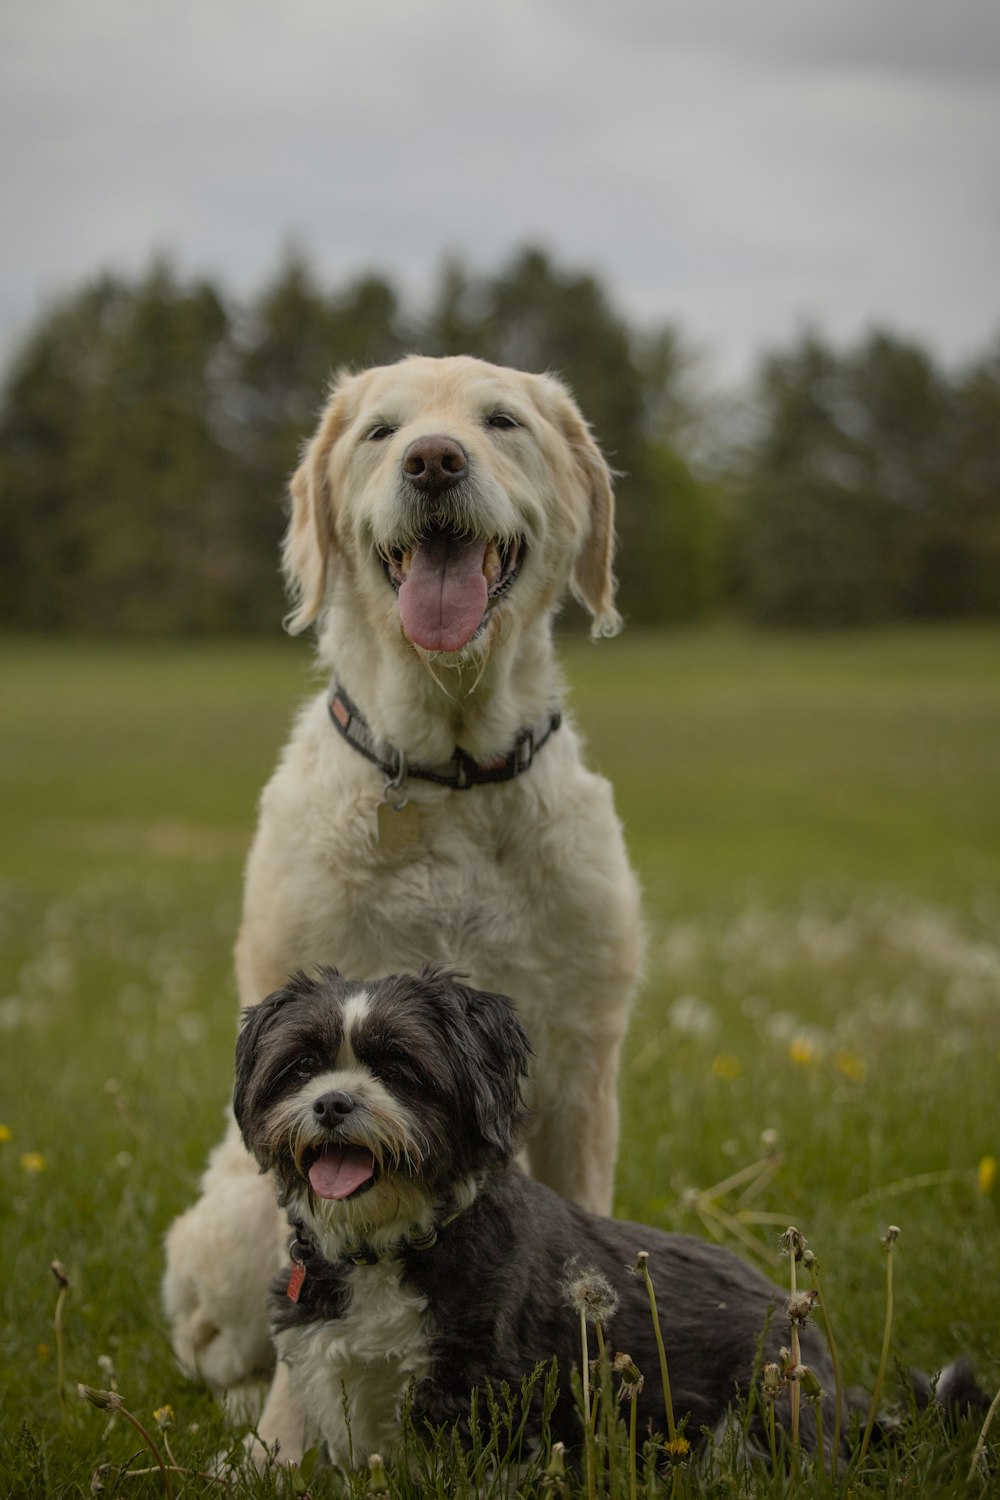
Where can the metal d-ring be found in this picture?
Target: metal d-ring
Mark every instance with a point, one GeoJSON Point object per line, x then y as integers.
{"type": "Point", "coordinates": [397, 783]}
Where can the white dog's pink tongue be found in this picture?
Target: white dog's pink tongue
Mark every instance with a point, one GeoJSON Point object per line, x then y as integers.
{"type": "Point", "coordinates": [443, 597]}
{"type": "Point", "coordinates": [340, 1171]}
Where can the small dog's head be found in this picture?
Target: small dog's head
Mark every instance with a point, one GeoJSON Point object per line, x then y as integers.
{"type": "Point", "coordinates": [375, 1103]}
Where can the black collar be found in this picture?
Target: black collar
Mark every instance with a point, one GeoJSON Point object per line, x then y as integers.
{"type": "Point", "coordinates": [303, 1249]}
{"type": "Point", "coordinates": [461, 771]}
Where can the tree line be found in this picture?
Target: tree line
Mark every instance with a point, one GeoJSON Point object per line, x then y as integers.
{"type": "Point", "coordinates": [148, 427]}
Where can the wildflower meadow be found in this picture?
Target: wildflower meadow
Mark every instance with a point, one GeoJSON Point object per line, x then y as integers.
{"type": "Point", "coordinates": [816, 822]}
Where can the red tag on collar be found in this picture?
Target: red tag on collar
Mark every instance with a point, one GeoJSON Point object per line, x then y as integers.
{"type": "Point", "coordinates": [295, 1281]}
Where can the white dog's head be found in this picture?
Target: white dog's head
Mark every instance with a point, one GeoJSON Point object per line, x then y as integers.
{"type": "Point", "coordinates": [454, 495]}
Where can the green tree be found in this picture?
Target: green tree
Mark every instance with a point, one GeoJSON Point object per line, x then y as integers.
{"type": "Point", "coordinates": [957, 567]}
{"type": "Point", "coordinates": [844, 482]}
{"type": "Point", "coordinates": [44, 419]}
{"type": "Point", "coordinates": [115, 488]}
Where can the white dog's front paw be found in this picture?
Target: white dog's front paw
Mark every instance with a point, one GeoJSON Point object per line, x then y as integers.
{"type": "Point", "coordinates": [264, 1457]}
{"type": "Point", "coordinates": [221, 1255]}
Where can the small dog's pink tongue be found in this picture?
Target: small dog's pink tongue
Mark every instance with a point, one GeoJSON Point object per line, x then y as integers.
{"type": "Point", "coordinates": [340, 1171]}
{"type": "Point", "coordinates": [443, 597]}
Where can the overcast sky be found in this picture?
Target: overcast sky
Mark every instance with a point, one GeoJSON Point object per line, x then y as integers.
{"type": "Point", "coordinates": [734, 167]}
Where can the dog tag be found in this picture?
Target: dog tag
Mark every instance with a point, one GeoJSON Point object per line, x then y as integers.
{"type": "Point", "coordinates": [398, 825]}
{"type": "Point", "coordinates": [295, 1281]}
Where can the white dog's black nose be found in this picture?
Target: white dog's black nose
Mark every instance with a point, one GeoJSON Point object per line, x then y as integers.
{"type": "Point", "coordinates": [331, 1108]}
{"type": "Point", "coordinates": [435, 463]}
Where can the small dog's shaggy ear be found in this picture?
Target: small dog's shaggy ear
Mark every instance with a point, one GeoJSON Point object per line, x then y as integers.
{"type": "Point", "coordinates": [255, 1021]}
{"type": "Point", "coordinates": [308, 547]}
{"type": "Point", "coordinates": [498, 1067]}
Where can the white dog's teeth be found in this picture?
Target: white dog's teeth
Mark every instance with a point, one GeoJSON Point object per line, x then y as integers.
{"type": "Point", "coordinates": [405, 561]}
{"type": "Point", "coordinates": [491, 562]}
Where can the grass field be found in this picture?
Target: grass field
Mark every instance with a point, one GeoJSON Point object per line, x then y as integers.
{"type": "Point", "coordinates": [817, 825]}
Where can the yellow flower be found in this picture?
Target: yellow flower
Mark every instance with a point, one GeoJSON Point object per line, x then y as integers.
{"type": "Point", "coordinates": [986, 1173]}
{"type": "Point", "coordinates": [802, 1052]}
{"type": "Point", "coordinates": [32, 1162]}
{"type": "Point", "coordinates": [851, 1065]}
{"type": "Point", "coordinates": [725, 1065]}
{"type": "Point", "coordinates": [678, 1447]}
{"type": "Point", "coordinates": [5, 1133]}
{"type": "Point", "coordinates": [163, 1416]}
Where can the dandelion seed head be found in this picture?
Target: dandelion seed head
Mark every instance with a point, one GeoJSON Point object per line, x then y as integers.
{"type": "Point", "coordinates": [103, 1400]}
{"type": "Point", "coordinates": [800, 1306]}
{"type": "Point", "coordinates": [638, 1268]}
{"type": "Point", "coordinates": [590, 1293]}
{"type": "Point", "coordinates": [792, 1242]}
{"type": "Point", "coordinates": [632, 1379]}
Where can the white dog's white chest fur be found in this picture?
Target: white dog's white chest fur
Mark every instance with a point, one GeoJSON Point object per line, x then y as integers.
{"type": "Point", "coordinates": [351, 1375]}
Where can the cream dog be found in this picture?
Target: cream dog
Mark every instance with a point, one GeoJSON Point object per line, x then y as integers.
{"type": "Point", "coordinates": [432, 805]}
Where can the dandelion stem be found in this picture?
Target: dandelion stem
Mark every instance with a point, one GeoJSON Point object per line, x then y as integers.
{"type": "Point", "coordinates": [772, 1440]}
{"type": "Point", "coordinates": [60, 1357]}
{"type": "Point", "coordinates": [588, 1428]}
{"type": "Point", "coordinates": [819, 1439]}
{"type": "Point", "coordinates": [608, 1416]}
{"type": "Point", "coordinates": [62, 1278]}
{"type": "Point", "coordinates": [642, 1265]}
{"type": "Point", "coordinates": [980, 1447]}
{"type": "Point", "coordinates": [796, 1360]}
{"type": "Point", "coordinates": [175, 1468]}
{"type": "Point", "coordinates": [148, 1439]}
{"type": "Point", "coordinates": [633, 1478]}
{"type": "Point", "coordinates": [889, 1242]}
{"type": "Point", "coordinates": [112, 1401]}
{"type": "Point", "coordinates": [835, 1361]}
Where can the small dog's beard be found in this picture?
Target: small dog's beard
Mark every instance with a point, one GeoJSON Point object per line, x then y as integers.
{"type": "Point", "coordinates": [397, 1199]}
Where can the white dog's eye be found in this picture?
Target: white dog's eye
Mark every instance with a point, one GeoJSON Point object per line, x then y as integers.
{"type": "Point", "coordinates": [380, 432]}
{"type": "Point", "coordinates": [502, 420]}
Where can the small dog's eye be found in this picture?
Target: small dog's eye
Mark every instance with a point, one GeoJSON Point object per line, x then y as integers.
{"type": "Point", "coordinates": [379, 433]}
{"type": "Point", "coordinates": [502, 421]}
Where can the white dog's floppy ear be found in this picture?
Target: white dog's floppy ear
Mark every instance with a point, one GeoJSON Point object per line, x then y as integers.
{"type": "Point", "coordinates": [307, 551]}
{"type": "Point", "coordinates": [592, 581]}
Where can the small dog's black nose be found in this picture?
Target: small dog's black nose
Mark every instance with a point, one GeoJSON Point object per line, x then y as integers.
{"type": "Point", "coordinates": [435, 463]}
{"type": "Point", "coordinates": [331, 1108]}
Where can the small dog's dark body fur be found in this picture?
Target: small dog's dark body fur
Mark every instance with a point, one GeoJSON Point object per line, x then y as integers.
{"type": "Point", "coordinates": [428, 1075]}
{"type": "Point", "coordinates": [494, 1285]}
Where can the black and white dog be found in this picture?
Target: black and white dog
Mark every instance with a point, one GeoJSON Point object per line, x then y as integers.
{"type": "Point", "coordinates": [423, 1256]}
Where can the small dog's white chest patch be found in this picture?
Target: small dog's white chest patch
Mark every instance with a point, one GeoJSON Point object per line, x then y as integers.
{"type": "Point", "coordinates": [351, 1375]}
